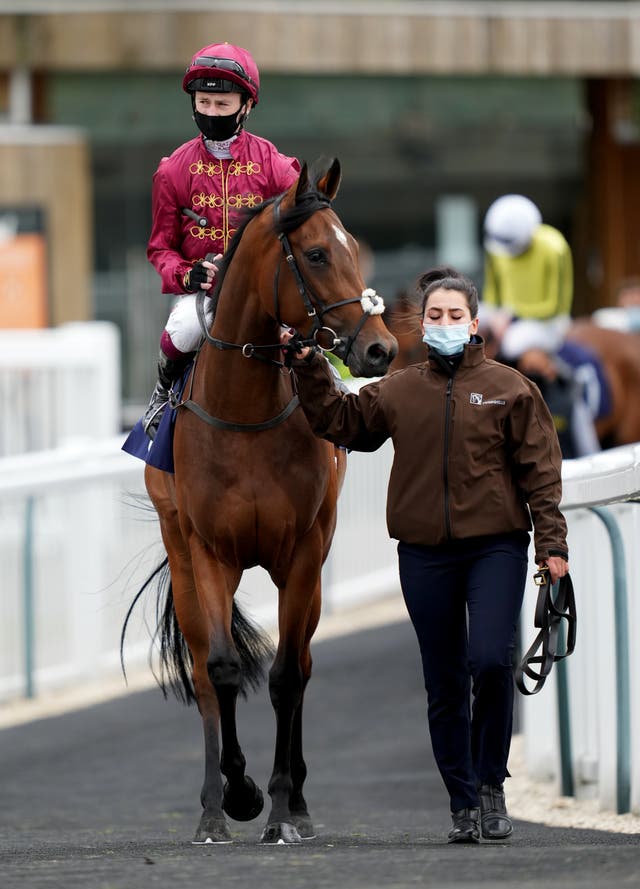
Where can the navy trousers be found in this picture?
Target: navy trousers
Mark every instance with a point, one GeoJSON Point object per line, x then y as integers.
{"type": "Point", "coordinates": [482, 578]}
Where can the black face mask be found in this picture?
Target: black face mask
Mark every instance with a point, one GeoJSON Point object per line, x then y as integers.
{"type": "Point", "coordinates": [221, 127]}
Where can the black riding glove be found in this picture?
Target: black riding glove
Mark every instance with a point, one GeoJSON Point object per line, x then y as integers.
{"type": "Point", "coordinates": [195, 278]}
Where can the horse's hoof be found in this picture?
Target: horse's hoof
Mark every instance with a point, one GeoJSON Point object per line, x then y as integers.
{"type": "Point", "coordinates": [244, 803]}
{"type": "Point", "coordinates": [304, 826]}
{"type": "Point", "coordinates": [280, 834]}
{"type": "Point", "coordinates": [212, 829]}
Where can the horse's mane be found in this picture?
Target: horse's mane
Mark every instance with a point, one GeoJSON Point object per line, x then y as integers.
{"type": "Point", "coordinates": [405, 305]}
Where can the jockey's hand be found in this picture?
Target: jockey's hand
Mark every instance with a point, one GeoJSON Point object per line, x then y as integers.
{"type": "Point", "coordinates": [538, 363]}
{"type": "Point", "coordinates": [557, 566]}
{"type": "Point", "coordinates": [202, 275]}
{"type": "Point", "coordinates": [286, 334]}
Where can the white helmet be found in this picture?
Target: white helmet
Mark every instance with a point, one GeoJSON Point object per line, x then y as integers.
{"type": "Point", "coordinates": [510, 224]}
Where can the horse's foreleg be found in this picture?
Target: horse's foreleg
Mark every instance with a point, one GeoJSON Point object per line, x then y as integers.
{"type": "Point", "coordinates": [298, 615]}
{"type": "Point", "coordinates": [193, 624]}
{"type": "Point", "coordinates": [213, 827]}
{"type": "Point", "coordinates": [297, 802]}
{"type": "Point", "coordinates": [195, 628]}
{"type": "Point", "coordinates": [222, 673]}
{"type": "Point", "coordinates": [243, 800]}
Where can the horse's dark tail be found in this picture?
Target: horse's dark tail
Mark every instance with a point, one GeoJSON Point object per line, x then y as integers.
{"type": "Point", "coordinates": [176, 664]}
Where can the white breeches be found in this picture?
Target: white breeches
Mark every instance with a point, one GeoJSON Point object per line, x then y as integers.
{"type": "Point", "coordinates": [525, 334]}
{"type": "Point", "coordinates": [183, 326]}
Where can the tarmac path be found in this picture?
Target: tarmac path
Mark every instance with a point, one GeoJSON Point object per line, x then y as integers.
{"type": "Point", "coordinates": [107, 797]}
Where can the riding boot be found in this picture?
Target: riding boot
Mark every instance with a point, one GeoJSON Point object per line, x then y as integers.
{"type": "Point", "coordinates": [494, 819]}
{"type": "Point", "coordinates": [169, 371]}
{"type": "Point", "coordinates": [465, 826]}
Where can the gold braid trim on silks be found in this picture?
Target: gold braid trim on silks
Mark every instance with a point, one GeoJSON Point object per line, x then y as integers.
{"type": "Point", "coordinates": [206, 168]}
{"type": "Point", "coordinates": [244, 200]}
{"type": "Point", "coordinates": [213, 234]}
{"type": "Point", "coordinates": [237, 169]}
{"type": "Point", "coordinates": [207, 200]}
{"type": "Point", "coordinates": [224, 202]}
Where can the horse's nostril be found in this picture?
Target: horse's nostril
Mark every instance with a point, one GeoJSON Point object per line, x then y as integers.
{"type": "Point", "coordinates": [379, 356]}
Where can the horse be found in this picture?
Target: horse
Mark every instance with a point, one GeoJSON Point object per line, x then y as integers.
{"type": "Point", "coordinates": [619, 354]}
{"type": "Point", "coordinates": [254, 486]}
{"type": "Point", "coordinates": [617, 351]}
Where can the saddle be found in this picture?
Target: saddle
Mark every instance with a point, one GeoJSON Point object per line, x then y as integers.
{"type": "Point", "coordinates": [549, 614]}
{"type": "Point", "coordinates": [588, 372]}
{"type": "Point", "coordinates": [159, 452]}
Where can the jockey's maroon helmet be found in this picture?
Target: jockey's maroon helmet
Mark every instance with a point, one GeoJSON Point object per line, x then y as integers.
{"type": "Point", "coordinates": [221, 68]}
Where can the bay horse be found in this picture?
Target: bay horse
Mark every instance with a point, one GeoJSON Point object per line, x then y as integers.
{"type": "Point", "coordinates": [254, 486]}
{"type": "Point", "coordinates": [618, 352]}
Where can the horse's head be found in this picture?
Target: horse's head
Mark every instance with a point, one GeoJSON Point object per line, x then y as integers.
{"type": "Point", "coordinates": [318, 287]}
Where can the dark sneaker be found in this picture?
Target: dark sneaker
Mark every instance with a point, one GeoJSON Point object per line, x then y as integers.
{"type": "Point", "coordinates": [465, 826]}
{"type": "Point", "coordinates": [494, 820]}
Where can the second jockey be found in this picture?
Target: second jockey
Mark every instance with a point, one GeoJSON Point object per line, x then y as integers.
{"type": "Point", "coordinates": [526, 305]}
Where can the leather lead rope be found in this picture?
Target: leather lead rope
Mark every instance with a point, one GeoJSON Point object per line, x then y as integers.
{"type": "Point", "coordinates": [549, 614]}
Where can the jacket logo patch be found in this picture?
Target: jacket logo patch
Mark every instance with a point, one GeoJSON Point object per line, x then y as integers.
{"type": "Point", "coordinates": [478, 398]}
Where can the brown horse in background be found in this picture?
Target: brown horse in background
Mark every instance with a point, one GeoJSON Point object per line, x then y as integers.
{"type": "Point", "coordinates": [620, 356]}
{"type": "Point", "coordinates": [618, 352]}
{"type": "Point", "coordinates": [254, 486]}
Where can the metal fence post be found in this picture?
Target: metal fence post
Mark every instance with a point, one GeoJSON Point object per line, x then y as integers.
{"type": "Point", "coordinates": [623, 683]}
{"type": "Point", "coordinates": [28, 600]}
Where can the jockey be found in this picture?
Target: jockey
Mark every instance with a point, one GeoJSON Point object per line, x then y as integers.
{"type": "Point", "coordinates": [528, 267]}
{"type": "Point", "coordinates": [197, 192]}
{"type": "Point", "coordinates": [527, 299]}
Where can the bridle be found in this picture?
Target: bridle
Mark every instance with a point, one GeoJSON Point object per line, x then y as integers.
{"type": "Point", "coordinates": [371, 304]}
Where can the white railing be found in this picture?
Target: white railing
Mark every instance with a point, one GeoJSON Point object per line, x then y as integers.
{"type": "Point", "coordinates": [598, 715]}
{"type": "Point", "coordinates": [58, 384]}
{"type": "Point", "coordinates": [76, 544]}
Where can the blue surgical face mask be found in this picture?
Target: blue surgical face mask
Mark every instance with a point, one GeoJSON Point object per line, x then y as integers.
{"type": "Point", "coordinates": [447, 339]}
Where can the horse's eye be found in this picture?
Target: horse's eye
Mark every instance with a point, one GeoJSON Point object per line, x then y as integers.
{"type": "Point", "coordinates": [316, 256]}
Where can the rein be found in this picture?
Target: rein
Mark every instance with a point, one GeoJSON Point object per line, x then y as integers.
{"type": "Point", "coordinates": [549, 615]}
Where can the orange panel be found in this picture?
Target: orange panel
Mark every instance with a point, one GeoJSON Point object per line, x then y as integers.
{"type": "Point", "coordinates": [23, 282]}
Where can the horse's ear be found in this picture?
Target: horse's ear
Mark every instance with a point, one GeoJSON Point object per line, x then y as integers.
{"type": "Point", "coordinates": [330, 182]}
{"type": "Point", "coordinates": [303, 180]}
